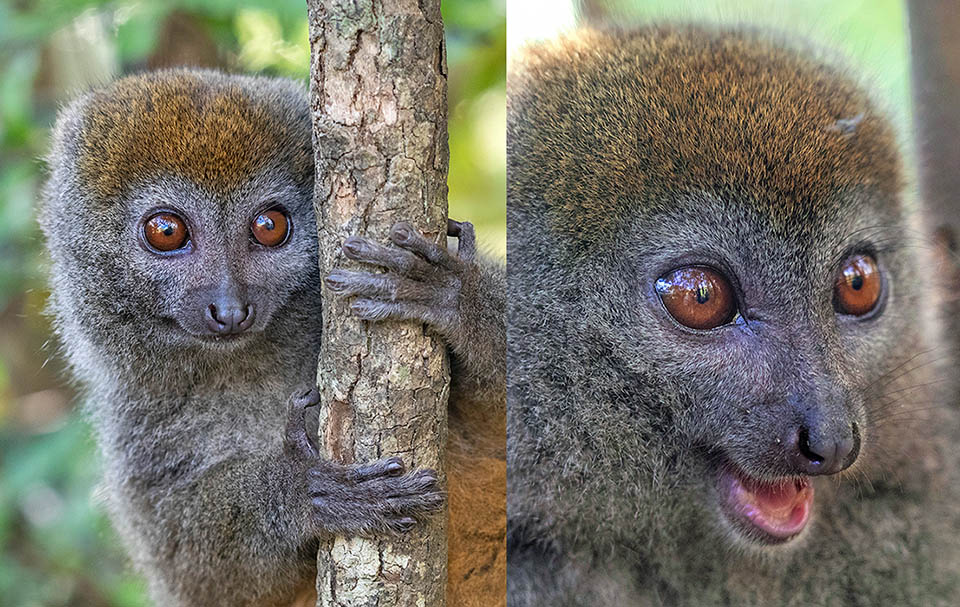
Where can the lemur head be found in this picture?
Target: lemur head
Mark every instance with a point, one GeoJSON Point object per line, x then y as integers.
{"type": "Point", "coordinates": [178, 213]}
{"type": "Point", "coordinates": [723, 218]}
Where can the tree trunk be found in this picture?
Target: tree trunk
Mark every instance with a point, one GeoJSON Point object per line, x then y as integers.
{"type": "Point", "coordinates": [378, 94]}
{"type": "Point", "coordinates": [935, 75]}
{"type": "Point", "coordinates": [935, 54]}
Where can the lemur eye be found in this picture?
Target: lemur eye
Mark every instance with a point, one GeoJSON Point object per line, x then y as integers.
{"type": "Point", "coordinates": [697, 297]}
{"type": "Point", "coordinates": [165, 232]}
{"type": "Point", "coordinates": [271, 228]}
{"type": "Point", "coordinates": [857, 287]}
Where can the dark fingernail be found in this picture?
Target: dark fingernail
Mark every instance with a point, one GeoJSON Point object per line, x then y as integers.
{"type": "Point", "coordinates": [453, 228]}
{"type": "Point", "coordinates": [395, 467]}
{"type": "Point", "coordinates": [334, 281]}
{"type": "Point", "coordinates": [407, 524]}
{"type": "Point", "coordinates": [401, 232]}
{"type": "Point", "coordinates": [352, 246]}
{"type": "Point", "coordinates": [307, 395]}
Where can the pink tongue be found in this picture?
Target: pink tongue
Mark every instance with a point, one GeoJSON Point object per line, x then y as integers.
{"type": "Point", "coordinates": [776, 501]}
{"type": "Point", "coordinates": [781, 509]}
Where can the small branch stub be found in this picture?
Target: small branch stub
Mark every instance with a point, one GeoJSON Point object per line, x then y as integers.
{"type": "Point", "coordinates": [378, 96]}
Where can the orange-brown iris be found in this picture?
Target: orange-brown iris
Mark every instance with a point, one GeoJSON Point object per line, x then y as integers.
{"type": "Point", "coordinates": [697, 297]}
{"type": "Point", "coordinates": [857, 288]}
{"type": "Point", "coordinates": [165, 232]}
{"type": "Point", "coordinates": [270, 228]}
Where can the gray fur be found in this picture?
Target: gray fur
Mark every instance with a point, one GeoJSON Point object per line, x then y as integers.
{"type": "Point", "coordinates": [619, 418]}
{"type": "Point", "coordinates": [211, 478]}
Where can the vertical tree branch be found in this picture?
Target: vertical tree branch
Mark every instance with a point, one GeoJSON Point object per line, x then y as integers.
{"type": "Point", "coordinates": [935, 60]}
{"type": "Point", "coordinates": [378, 94]}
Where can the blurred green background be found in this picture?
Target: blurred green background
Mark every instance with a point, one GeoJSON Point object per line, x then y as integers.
{"type": "Point", "coordinates": [56, 546]}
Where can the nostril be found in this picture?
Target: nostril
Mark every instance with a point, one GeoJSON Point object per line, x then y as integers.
{"type": "Point", "coordinates": [853, 450]}
{"type": "Point", "coordinates": [249, 315]}
{"type": "Point", "coordinates": [803, 443]}
{"type": "Point", "coordinates": [213, 315]}
{"type": "Point", "coordinates": [229, 317]}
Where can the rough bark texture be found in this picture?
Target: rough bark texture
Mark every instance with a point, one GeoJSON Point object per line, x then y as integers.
{"type": "Point", "coordinates": [378, 94]}
{"type": "Point", "coordinates": [935, 63]}
{"type": "Point", "coordinates": [935, 53]}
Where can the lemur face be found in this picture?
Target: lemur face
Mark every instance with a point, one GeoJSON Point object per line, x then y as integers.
{"type": "Point", "coordinates": [191, 192]}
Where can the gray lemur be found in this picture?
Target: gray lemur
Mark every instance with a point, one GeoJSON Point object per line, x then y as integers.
{"type": "Point", "coordinates": [186, 291]}
{"type": "Point", "coordinates": [724, 369]}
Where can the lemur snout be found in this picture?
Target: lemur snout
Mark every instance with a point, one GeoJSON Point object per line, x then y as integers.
{"type": "Point", "coordinates": [227, 316]}
{"type": "Point", "coordinates": [816, 451]}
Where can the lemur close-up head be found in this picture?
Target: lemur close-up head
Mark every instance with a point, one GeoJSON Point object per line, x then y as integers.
{"type": "Point", "coordinates": [188, 192]}
{"type": "Point", "coordinates": [723, 221]}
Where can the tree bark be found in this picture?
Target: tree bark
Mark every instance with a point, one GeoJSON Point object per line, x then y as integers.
{"type": "Point", "coordinates": [935, 59]}
{"type": "Point", "coordinates": [935, 75]}
{"type": "Point", "coordinates": [378, 95]}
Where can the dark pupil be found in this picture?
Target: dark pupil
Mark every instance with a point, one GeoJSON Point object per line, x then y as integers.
{"type": "Point", "coordinates": [857, 282]}
{"type": "Point", "coordinates": [265, 222]}
{"type": "Point", "coordinates": [703, 294]}
{"type": "Point", "coordinates": [167, 227]}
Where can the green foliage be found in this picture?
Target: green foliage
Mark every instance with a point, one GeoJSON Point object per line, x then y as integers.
{"type": "Point", "coordinates": [56, 546]}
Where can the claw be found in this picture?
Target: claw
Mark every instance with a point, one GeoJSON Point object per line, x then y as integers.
{"type": "Point", "coordinates": [463, 230]}
{"type": "Point", "coordinates": [296, 432]}
{"type": "Point", "coordinates": [336, 281]}
{"type": "Point", "coordinates": [401, 233]}
{"type": "Point", "coordinates": [394, 466]}
{"type": "Point", "coordinates": [453, 228]}
{"type": "Point", "coordinates": [390, 467]}
{"type": "Point", "coordinates": [353, 246]}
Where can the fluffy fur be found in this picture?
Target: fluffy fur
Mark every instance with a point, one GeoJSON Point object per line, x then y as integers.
{"type": "Point", "coordinates": [632, 153]}
{"type": "Point", "coordinates": [211, 476]}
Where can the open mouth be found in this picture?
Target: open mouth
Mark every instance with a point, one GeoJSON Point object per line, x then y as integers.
{"type": "Point", "coordinates": [769, 512]}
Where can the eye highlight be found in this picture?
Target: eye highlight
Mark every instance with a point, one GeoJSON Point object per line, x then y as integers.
{"type": "Point", "coordinates": [271, 228]}
{"type": "Point", "coordinates": [165, 232]}
{"type": "Point", "coordinates": [856, 290]}
{"type": "Point", "coordinates": [697, 297]}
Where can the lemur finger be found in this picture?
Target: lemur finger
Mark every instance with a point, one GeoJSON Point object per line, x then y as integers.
{"type": "Point", "coordinates": [400, 261]}
{"type": "Point", "coordinates": [373, 310]}
{"type": "Point", "coordinates": [296, 432]}
{"type": "Point", "coordinates": [403, 235]}
{"type": "Point", "coordinates": [416, 505]}
{"type": "Point", "coordinates": [296, 436]}
{"type": "Point", "coordinates": [416, 494]}
{"type": "Point", "coordinates": [381, 286]}
{"type": "Point", "coordinates": [389, 467]}
{"type": "Point", "coordinates": [466, 237]}
{"type": "Point", "coordinates": [410, 485]}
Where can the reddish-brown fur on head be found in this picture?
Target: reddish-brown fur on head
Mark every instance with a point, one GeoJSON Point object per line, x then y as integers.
{"type": "Point", "coordinates": [615, 119]}
{"type": "Point", "coordinates": [214, 130]}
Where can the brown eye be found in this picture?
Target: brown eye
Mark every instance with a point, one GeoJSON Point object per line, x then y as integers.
{"type": "Point", "coordinates": [857, 288]}
{"type": "Point", "coordinates": [697, 297]}
{"type": "Point", "coordinates": [165, 232]}
{"type": "Point", "coordinates": [270, 228]}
